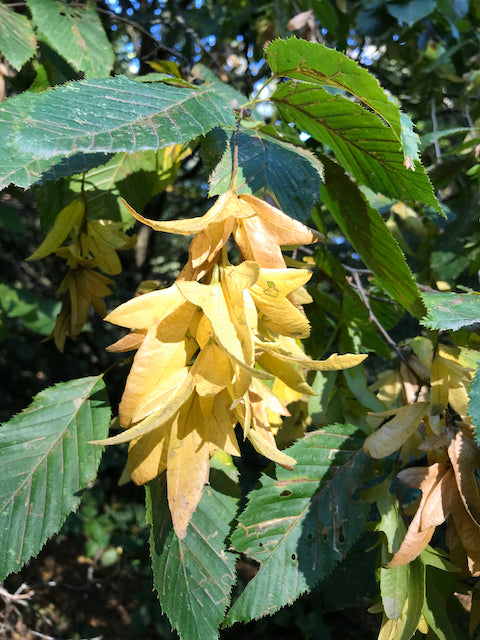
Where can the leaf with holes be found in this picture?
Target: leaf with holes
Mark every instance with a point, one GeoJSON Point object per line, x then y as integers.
{"type": "Point", "coordinates": [45, 460]}
{"type": "Point", "coordinates": [76, 33]}
{"type": "Point", "coordinates": [451, 311]}
{"type": "Point", "coordinates": [17, 39]}
{"type": "Point", "coordinates": [42, 130]}
{"type": "Point", "coordinates": [194, 576]}
{"type": "Point", "coordinates": [299, 524]}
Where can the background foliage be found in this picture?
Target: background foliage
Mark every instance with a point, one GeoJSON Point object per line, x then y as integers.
{"type": "Point", "coordinates": [198, 58]}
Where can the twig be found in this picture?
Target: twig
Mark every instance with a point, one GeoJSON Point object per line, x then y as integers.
{"type": "Point", "coordinates": [436, 144]}
{"type": "Point", "coordinates": [235, 151]}
{"type": "Point", "coordinates": [372, 317]}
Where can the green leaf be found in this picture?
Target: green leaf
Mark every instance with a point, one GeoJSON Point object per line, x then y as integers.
{"type": "Point", "coordinates": [360, 141]}
{"type": "Point", "coordinates": [99, 116]}
{"type": "Point", "coordinates": [474, 403]}
{"type": "Point", "coordinates": [76, 34]}
{"type": "Point", "coordinates": [299, 524]}
{"type": "Point", "coordinates": [38, 314]}
{"type": "Point", "coordinates": [17, 40]}
{"type": "Point", "coordinates": [451, 310]}
{"type": "Point", "coordinates": [288, 174]}
{"type": "Point", "coordinates": [415, 599]}
{"type": "Point", "coordinates": [394, 590]}
{"type": "Point", "coordinates": [193, 577]}
{"type": "Point", "coordinates": [411, 11]}
{"type": "Point", "coordinates": [370, 237]}
{"type": "Point", "coordinates": [45, 460]}
{"type": "Point", "coordinates": [137, 177]}
{"type": "Point", "coordinates": [315, 63]}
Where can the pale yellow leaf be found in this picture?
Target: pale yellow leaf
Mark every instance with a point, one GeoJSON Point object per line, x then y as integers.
{"type": "Point", "coordinates": [150, 308]}
{"type": "Point", "coordinates": [218, 425]}
{"type": "Point", "coordinates": [130, 342]}
{"type": "Point", "coordinates": [285, 371]}
{"type": "Point", "coordinates": [211, 370]}
{"type": "Point", "coordinates": [188, 465]}
{"type": "Point", "coordinates": [269, 451]}
{"type": "Point", "coordinates": [68, 217]}
{"type": "Point", "coordinates": [287, 349]}
{"type": "Point", "coordinates": [176, 399]}
{"type": "Point", "coordinates": [390, 437]}
{"type": "Point", "coordinates": [151, 374]}
{"type": "Point", "coordinates": [439, 386]}
{"type": "Point", "coordinates": [147, 456]}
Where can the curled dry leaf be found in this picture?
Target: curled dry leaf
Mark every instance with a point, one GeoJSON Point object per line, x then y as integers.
{"type": "Point", "coordinates": [431, 481]}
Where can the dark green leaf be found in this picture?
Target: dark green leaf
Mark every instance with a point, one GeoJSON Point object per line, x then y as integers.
{"type": "Point", "coordinates": [299, 524]}
{"type": "Point", "coordinates": [369, 235]}
{"type": "Point", "coordinates": [17, 40]}
{"type": "Point", "coordinates": [76, 33]}
{"type": "Point", "coordinates": [194, 576]}
{"type": "Point", "coordinates": [474, 404]}
{"type": "Point", "coordinates": [267, 166]}
{"type": "Point", "coordinates": [106, 116]}
{"type": "Point", "coordinates": [451, 310]}
{"type": "Point", "coordinates": [360, 141]}
{"type": "Point", "coordinates": [45, 460]}
{"type": "Point", "coordinates": [411, 11]}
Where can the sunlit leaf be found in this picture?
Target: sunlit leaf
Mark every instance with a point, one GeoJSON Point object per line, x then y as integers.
{"type": "Point", "coordinates": [299, 524]}
{"type": "Point", "coordinates": [390, 437]}
{"type": "Point", "coordinates": [45, 460]}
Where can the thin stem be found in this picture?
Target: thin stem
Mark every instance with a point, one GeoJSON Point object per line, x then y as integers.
{"type": "Point", "coordinates": [373, 318]}
{"type": "Point", "coordinates": [256, 97]}
{"type": "Point", "coordinates": [233, 179]}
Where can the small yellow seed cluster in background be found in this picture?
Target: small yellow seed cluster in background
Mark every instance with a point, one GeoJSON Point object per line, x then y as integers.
{"type": "Point", "coordinates": [91, 245]}
{"type": "Point", "coordinates": [207, 346]}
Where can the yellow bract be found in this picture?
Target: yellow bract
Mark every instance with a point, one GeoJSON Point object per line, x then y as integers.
{"type": "Point", "coordinates": [205, 348]}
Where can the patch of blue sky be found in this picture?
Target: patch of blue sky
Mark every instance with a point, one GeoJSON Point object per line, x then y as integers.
{"type": "Point", "coordinates": [156, 31]}
{"type": "Point", "coordinates": [338, 239]}
{"type": "Point", "coordinates": [134, 65]}
{"type": "Point", "coordinates": [198, 4]}
{"type": "Point", "coordinates": [304, 136]}
{"type": "Point", "coordinates": [114, 6]}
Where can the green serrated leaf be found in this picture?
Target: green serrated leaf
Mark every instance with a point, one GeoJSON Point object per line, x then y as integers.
{"type": "Point", "coordinates": [360, 141]}
{"type": "Point", "coordinates": [76, 34]}
{"type": "Point", "coordinates": [17, 39]}
{"type": "Point", "coordinates": [193, 577]}
{"type": "Point", "coordinates": [369, 235]}
{"type": "Point", "coordinates": [315, 63]}
{"type": "Point", "coordinates": [43, 131]}
{"type": "Point", "coordinates": [474, 403]}
{"type": "Point", "coordinates": [288, 174]}
{"type": "Point", "coordinates": [451, 311]}
{"type": "Point", "coordinates": [45, 460]}
{"type": "Point", "coordinates": [301, 523]}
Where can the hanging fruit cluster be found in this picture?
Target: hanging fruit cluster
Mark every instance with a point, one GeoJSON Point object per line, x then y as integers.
{"type": "Point", "coordinates": [92, 247]}
{"type": "Point", "coordinates": [209, 347]}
